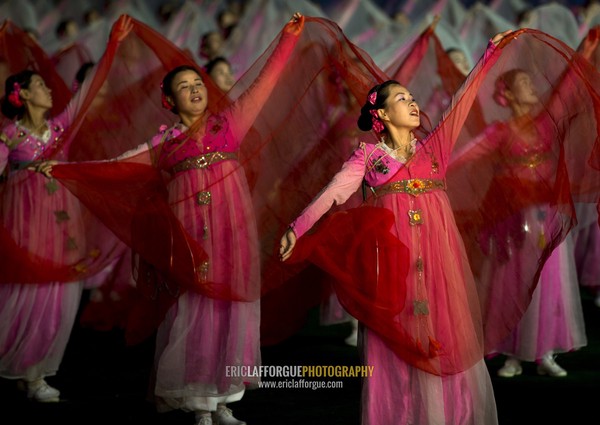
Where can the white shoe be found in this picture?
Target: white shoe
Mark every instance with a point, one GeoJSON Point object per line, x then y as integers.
{"type": "Point", "coordinates": [548, 366]}
{"type": "Point", "coordinates": [352, 340]}
{"type": "Point", "coordinates": [205, 420]}
{"type": "Point", "coordinates": [41, 392]}
{"type": "Point", "coordinates": [512, 367]}
{"type": "Point", "coordinates": [224, 416]}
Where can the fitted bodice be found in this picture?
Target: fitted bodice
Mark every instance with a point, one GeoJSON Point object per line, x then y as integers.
{"type": "Point", "coordinates": [177, 146]}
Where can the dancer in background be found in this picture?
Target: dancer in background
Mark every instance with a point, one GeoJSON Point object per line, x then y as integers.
{"type": "Point", "coordinates": [220, 71]}
{"type": "Point", "coordinates": [44, 220]}
{"type": "Point", "coordinates": [46, 251]}
{"type": "Point", "coordinates": [553, 322]}
{"type": "Point", "coordinates": [523, 153]}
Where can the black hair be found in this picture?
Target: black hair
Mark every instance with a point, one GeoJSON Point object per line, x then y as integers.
{"type": "Point", "coordinates": [206, 35]}
{"type": "Point", "coordinates": [90, 14]}
{"type": "Point", "coordinates": [61, 28]}
{"type": "Point", "coordinates": [504, 82]}
{"type": "Point", "coordinates": [204, 42]}
{"type": "Point", "coordinates": [365, 122]}
{"type": "Point", "coordinates": [225, 30]}
{"type": "Point", "coordinates": [167, 82]}
{"type": "Point", "coordinates": [82, 71]}
{"type": "Point", "coordinates": [213, 62]}
{"type": "Point", "coordinates": [524, 14]}
{"type": "Point", "coordinates": [32, 32]}
{"type": "Point", "coordinates": [22, 78]}
{"type": "Point", "coordinates": [453, 50]}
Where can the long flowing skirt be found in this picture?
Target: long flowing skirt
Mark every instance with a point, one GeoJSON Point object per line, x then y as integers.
{"type": "Point", "coordinates": [37, 319]}
{"type": "Point", "coordinates": [553, 321]}
{"type": "Point", "coordinates": [202, 339]}
{"type": "Point", "coordinates": [398, 393]}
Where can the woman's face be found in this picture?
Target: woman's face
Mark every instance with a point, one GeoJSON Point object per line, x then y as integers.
{"type": "Point", "coordinates": [38, 94]}
{"type": "Point", "coordinates": [401, 109]}
{"type": "Point", "coordinates": [460, 60]}
{"type": "Point", "coordinates": [212, 46]}
{"type": "Point", "coordinates": [222, 76]}
{"type": "Point", "coordinates": [522, 91]}
{"type": "Point", "coordinates": [189, 93]}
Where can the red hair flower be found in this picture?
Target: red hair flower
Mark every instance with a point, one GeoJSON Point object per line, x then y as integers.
{"type": "Point", "coordinates": [377, 124]}
{"type": "Point", "coordinates": [372, 98]}
{"type": "Point", "coordinates": [13, 96]}
{"type": "Point", "coordinates": [163, 99]}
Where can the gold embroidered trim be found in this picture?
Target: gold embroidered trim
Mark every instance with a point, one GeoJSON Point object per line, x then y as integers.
{"type": "Point", "coordinates": [414, 187]}
{"type": "Point", "coordinates": [415, 217]}
{"type": "Point", "coordinates": [203, 198]}
{"type": "Point", "coordinates": [61, 216]}
{"type": "Point", "coordinates": [203, 271]}
{"type": "Point", "coordinates": [51, 186]}
{"type": "Point", "coordinates": [202, 161]}
{"type": "Point", "coordinates": [420, 307]}
{"type": "Point", "coordinates": [532, 160]}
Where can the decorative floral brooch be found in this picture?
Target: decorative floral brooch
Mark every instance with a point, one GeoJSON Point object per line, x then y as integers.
{"type": "Point", "coordinates": [380, 166]}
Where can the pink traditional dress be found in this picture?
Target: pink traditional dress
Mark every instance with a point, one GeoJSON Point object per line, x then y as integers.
{"type": "Point", "coordinates": [43, 218]}
{"type": "Point", "coordinates": [587, 233]}
{"type": "Point", "coordinates": [398, 392]}
{"type": "Point", "coordinates": [587, 249]}
{"type": "Point", "coordinates": [432, 369]}
{"type": "Point", "coordinates": [44, 255]}
{"type": "Point", "coordinates": [202, 338]}
{"type": "Point", "coordinates": [553, 322]}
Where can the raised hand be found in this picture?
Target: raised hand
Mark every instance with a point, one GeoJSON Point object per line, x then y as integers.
{"type": "Point", "coordinates": [121, 28]}
{"type": "Point", "coordinates": [295, 24]}
{"type": "Point", "coordinates": [502, 35]}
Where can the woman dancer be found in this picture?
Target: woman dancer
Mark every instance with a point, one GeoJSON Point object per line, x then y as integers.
{"type": "Point", "coordinates": [412, 384]}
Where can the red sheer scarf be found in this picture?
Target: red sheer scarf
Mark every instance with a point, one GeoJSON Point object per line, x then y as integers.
{"type": "Point", "coordinates": [68, 60]}
{"type": "Point", "coordinates": [121, 111]}
{"type": "Point", "coordinates": [485, 204]}
{"type": "Point", "coordinates": [306, 147]}
{"type": "Point", "coordinates": [19, 51]}
{"type": "Point", "coordinates": [430, 74]}
{"type": "Point", "coordinates": [133, 193]}
{"type": "Point", "coordinates": [521, 173]}
{"type": "Point", "coordinates": [594, 35]}
{"type": "Point", "coordinates": [290, 134]}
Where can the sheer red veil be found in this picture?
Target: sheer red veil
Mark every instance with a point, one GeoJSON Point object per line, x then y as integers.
{"type": "Point", "coordinates": [302, 136]}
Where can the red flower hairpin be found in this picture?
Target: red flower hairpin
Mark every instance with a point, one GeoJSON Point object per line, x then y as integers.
{"type": "Point", "coordinates": [13, 96]}
{"type": "Point", "coordinates": [163, 99]}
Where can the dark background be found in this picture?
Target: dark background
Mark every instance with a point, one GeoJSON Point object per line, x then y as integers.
{"type": "Point", "coordinates": [105, 382]}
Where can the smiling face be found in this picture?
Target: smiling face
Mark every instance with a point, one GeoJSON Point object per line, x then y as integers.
{"type": "Point", "coordinates": [37, 94]}
{"type": "Point", "coordinates": [401, 109]}
{"type": "Point", "coordinates": [190, 96]}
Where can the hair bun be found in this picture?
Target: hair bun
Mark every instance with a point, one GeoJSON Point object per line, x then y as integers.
{"type": "Point", "coordinates": [365, 123]}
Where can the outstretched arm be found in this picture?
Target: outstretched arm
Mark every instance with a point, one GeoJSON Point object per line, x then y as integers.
{"type": "Point", "coordinates": [120, 30]}
{"type": "Point", "coordinates": [248, 106]}
{"type": "Point", "coordinates": [462, 102]}
{"type": "Point", "coordinates": [345, 183]}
